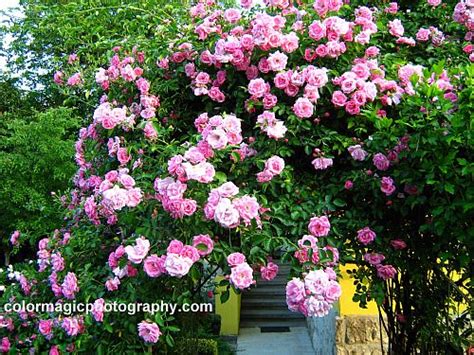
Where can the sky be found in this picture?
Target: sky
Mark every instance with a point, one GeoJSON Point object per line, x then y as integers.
{"type": "Point", "coordinates": [5, 4]}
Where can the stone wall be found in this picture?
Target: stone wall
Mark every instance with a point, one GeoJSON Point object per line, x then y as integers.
{"type": "Point", "coordinates": [359, 335]}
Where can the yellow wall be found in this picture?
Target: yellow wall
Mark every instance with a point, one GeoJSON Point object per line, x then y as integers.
{"type": "Point", "coordinates": [346, 305]}
{"type": "Point", "coordinates": [229, 311]}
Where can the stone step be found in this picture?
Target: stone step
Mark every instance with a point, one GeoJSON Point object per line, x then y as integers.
{"type": "Point", "coordinates": [266, 323]}
{"type": "Point", "coordinates": [263, 302]}
{"type": "Point", "coordinates": [265, 313]}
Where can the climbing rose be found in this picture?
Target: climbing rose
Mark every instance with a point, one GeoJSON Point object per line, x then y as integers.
{"type": "Point", "coordinates": [269, 272]}
{"type": "Point", "coordinates": [235, 259]}
{"type": "Point", "coordinates": [69, 287]}
{"type": "Point", "coordinates": [303, 108]}
{"type": "Point", "coordinates": [138, 252]}
{"type": "Point", "coordinates": [177, 265]}
{"type": "Point", "coordinates": [154, 266]}
{"type": "Point", "coordinates": [387, 186]}
{"type": "Point", "coordinates": [241, 276]}
{"type": "Point", "coordinates": [149, 331]}
{"type": "Point", "coordinates": [98, 310]}
{"type": "Point", "coordinates": [319, 226]}
{"type": "Point", "coordinates": [386, 272]}
{"type": "Point", "coordinates": [366, 235]}
{"type": "Point", "coordinates": [203, 240]}
{"type": "Point", "coordinates": [381, 161]}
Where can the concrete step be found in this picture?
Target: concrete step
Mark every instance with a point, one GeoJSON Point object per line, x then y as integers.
{"type": "Point", "coordinates": [266, 323]}
{"type": "Point", "coordinates": [269, 314]}
{"type": "Point", "coordinates": [263, 302]}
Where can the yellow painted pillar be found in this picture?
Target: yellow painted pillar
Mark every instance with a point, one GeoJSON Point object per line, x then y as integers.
{"type": "Point", "coordinates": [229, 311]}
{"type": "Point", "coordinates": [346, 305]}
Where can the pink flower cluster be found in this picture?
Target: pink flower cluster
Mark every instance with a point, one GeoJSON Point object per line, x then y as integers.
{"type": "Point", "coordinates": [241, 275]}
{"type": "Point", "coordinates": [273, 166]}
{"type": "Point", "coordinates": [361, 84]}
{"type": "Point", "coordinates": [313, 295]}
{"type": "Point", "coordinates": [273, 127]}
{"type": "Point", "coordinates": [170, 193]}
{"type": "Point", "coordinates": [228, 210]}
{"type": "Point", "coordinates": [464, 14]}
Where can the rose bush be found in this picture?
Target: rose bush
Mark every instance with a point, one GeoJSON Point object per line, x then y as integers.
{"type": "Point", "coordinates": [312, 132]}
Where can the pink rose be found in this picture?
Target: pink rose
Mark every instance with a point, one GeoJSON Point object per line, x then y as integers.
{"type": "Point", "coordinates": [423, 35]}
{"type": "Point", "coordinates": [203, 243]}
{"type": "Point", "coordinates": [190, 252]}
{"type": "Point", "coordinates": [175, 247]}
{"type": "Point", "coordinates": [275, 165]}
{"type": "Point", "coordinates": [277, 61]}
{"type": "Point", "coordinates": [149, 331]}
{"type": "Point", "coordinates": [226, 214]}
{"type": "Point", "coordinates": [357, 153]}
{"type": "Point", "coordinates": [177, 265]}
{"type": "Point", "coordinates": [322, 163]}
{"type": "Point", "coordinates": [319, 226]}
{"type": "Point", "coordinates": [374, 258]}
{"type": "Point", "coordinates": [317, 30]}
{"type": "Point", "coordinates": [235, 259]}
{"type": "Point", "coordinates": [386, 272]}
{"type": "Point", "coordinates": [387, 186]}
{"type": "Point", "coordinates": [98, 310]}
{"type": "Point", "coordinates": [241, 276]}
{"type": "Point", "coordinates": [366, 235]}
{"type": "Point", "coordinates": [333, 291]}
{"type": "Point", "coordinates": [154, 266]}
{"type": "Point", "coordinates": [257, 87]}
{"type": "Point", "coordinates": [45, 326]}
{"type": "Point", "coordinates": [303, 108]}
{"type": "Point", "coordinates": [395, 28]}
{"type": "Point", "coordinates": [138, 252]}
{"type": "Point", "coordinates": [228, 189]}
{"type": "Point", "coordinates": [338, 98]}
{"type": "Point", "coordinates": [269, 272]}
{"type": "Point", "coordinates": [381, 161]}
{"type": "Point", "coordinates": [69, 286]}
{"type": "Point", "coordinates": [295, 294]}
{"type": "Point", "coordinates": [398, 244]}
{"type": "Point", "coordinates": [217, 139]}
{"type": "Point", "coordinates": [232, 15]}
{"type": "Point", "coordinates": [123, 156]}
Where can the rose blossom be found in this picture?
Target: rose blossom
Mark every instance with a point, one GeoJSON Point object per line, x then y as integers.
{"type": "Point", "coordinates": [69, 287]}
{"type": "Point", "coordinates": [386, 272]}
{"type": "Point", "coordinates": [303, 108]}
{"type": "Point", "coordinates": [177, 265]}
{"type": "Point", "coordinates": [322, 163]}
{"type": "Point", "coordinates": [98, 310]}
{"type": "Point", "coordinates": [235, 259]}
{"type": "Point", "coordinates": [45, 326]}
{"type": "Point", "coordinates": [387, 186]}
{"type": "Point", "coordinates": [149, 331]}
{"type": "Point", "coordinates": [241, 276]}
{"type": "Point", "coordinates": [269, 272]}
{"type": "Point", "coordinates": [319, 226]}
{"type": "Point", "coordinates": [138, 252]}
{"type": "Point", "coordinates": [374, 258]}
{"type": "Point", "coordinates": [295, 294]}
{"type": "Point", "coordinates": [203, 240]}
{"type": "Point", "coordinates": [357, 153]}
{"type": "Point", "coordinates": [398, 244]}
{"type": "Point", "coordinates": [275, 165]}
{"type": "Point", "coordinates": [154, 266]}
{"type": "Point", "coordinates": [366, 235]}
{"type": "Point", "coordinates": [381, 161]}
